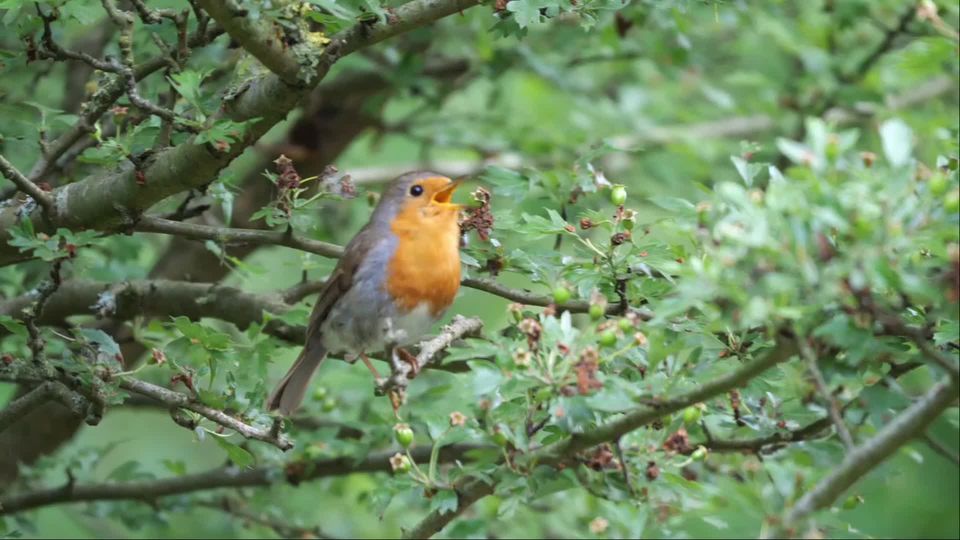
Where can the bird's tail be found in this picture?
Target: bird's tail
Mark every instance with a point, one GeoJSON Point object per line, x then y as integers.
{"type": "Point", "coordinates": [289, 393]}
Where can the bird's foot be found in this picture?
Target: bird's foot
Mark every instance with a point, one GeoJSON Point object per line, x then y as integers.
{"type": "Point", "coordinates": [405, 355]}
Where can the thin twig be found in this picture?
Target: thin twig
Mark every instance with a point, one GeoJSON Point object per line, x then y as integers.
{"type": "Point", "coordinates": [941, 449]}
{"type": "Point", "coordinates": [459, 328]}
{"type": "Point", "coordinates": [182, 401]}
{"type": "Point", "coordinates": [280, 526]}
{"type": "Point", "coordinates": [833, 407]}
{"type": "Point", "coordinates": [25, 185]}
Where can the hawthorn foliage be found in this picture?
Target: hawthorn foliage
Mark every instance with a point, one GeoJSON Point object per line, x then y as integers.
{"type": "Point", "coordinates": [712, 267]}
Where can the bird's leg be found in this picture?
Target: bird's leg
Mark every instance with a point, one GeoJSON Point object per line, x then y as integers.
{"type": "Point", "coordinates": [407, 357]}
{"type": "Point", "coordinates": [395, 386]}
{"type": "Point", "coordinates": [369, 364]}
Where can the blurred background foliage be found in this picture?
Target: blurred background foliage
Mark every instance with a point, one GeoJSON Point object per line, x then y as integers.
{"type": "Point", "coordinates": [673, 100]}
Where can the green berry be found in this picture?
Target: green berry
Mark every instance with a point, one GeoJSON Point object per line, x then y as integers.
{"type": "Point", "coordinates": [499, 438]}
{"type": "Point", "coordinates": [691, 415]}
{"type": "Point", "coordinates": [628, 224]}
{"type": "Point", "coordinates": [596, 311]}
{"type": "Point", "coordinates": [319, 393]}
{"type": "Point", "coordinates": [608, 338]}
{"type": "Point", "coordinates": [938, 184]}
{"type": "Point", "coordinates": [329, 404]}
{"type": "Point", "coordinates": [852, 502]}
{"type": "Point", "coordinates": [952, 201]}
{"type": "Point", "coordinates": [561, 294]}
{"type": "Point", "coordinates": [699, 454]}
{"type": "Point", "coordinates": [403, 434]}
{"type": "Point", "coordinates": [543, 394]}
{"type": "Point", "coordinates": [625, 324]}
{"type": "Point", "coordinates": [618, 195]}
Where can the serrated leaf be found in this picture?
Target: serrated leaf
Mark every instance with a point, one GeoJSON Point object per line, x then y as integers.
{"type": "Point", "coordinates": [240, 457]}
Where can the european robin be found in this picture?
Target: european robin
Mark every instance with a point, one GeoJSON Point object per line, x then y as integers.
{"type": "Point", "coordinates": [396, 278]}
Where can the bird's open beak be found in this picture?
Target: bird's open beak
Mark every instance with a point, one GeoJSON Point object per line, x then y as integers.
{"type": "Point", "coordinates": [443, 196]}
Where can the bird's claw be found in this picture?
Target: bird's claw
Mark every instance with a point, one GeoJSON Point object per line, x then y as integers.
{"type": "Point", "coordinates": [405, 355]}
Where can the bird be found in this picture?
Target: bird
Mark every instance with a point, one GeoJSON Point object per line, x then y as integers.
{"type": "Point", "coordinates": [395, 279]}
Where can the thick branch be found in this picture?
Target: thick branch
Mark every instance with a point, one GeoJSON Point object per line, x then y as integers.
{"type": "Point", "coordinates": [870, 454]}
{"type": "Point", "coordinates": [257, 36]}
{"type": "Point", "coordinates": [469, 491]}
{"type": "Point", "coordinates": [38, 396]}
{"type": "Point", "coordinates": [123, 301]}
{"type": "Point", "coordinates": [178, 400]}
{"type": "Point", "coordinates": [225, 477]}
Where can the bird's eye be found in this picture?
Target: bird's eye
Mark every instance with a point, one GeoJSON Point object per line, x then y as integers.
{"type": "Point", "coordinates": [416, 191]}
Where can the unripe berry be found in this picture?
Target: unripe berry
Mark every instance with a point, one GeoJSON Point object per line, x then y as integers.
{"type": "Point", "coordinates": [608, 338]}
{"type": "Point", "coordinates": [403, 434]}
{"type": "Point", "coordinates": [561, 294]}
{"type": "Point", "coordinates": [618, 195]}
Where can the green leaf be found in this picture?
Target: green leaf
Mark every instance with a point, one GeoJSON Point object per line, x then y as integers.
{"type": "Point", "coordinates": [444, 501]}
{"type": "Point", "coordinates": [13, 326]}
{"type": "Point", "coordinates": [240, 457]}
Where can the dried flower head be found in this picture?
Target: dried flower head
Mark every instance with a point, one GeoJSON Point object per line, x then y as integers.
{"type": "Point", "coordinates": [599, 525]}
{"type": "Point", "coordinates": [399, 462]}
{"type": "Point", "coordinates": [457, 419]}
{"type": "Point", "coordinates": [522, 358]}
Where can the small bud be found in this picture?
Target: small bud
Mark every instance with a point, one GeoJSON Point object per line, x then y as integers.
{"type": "Point", "coordinates": [639, 338]}
{"type": "Point", "coordinates": [620, 238]}
{"type": "Point", "coordinates": [653, 472]}
{"type": "Point", "coordinates": [586, 223]}
{"type": "Point", "coordinates": [868, 158]}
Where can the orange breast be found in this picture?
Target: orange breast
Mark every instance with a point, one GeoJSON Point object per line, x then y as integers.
{"type": "Point", "coordinates": [426, 265]}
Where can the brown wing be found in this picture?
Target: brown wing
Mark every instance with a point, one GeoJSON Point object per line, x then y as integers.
{"type": "Point", "coordinates": [340, 280]}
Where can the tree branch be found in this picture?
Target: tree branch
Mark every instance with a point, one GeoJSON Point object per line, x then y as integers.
{"type": "Point", "coordinates": [228, 236]}
{"type": "Point", "coordinates": [460, 327]}
{"type": "Point", "coordinates": [864, 458]}
{"type": "Point", "coordinates": [834, 410]}
{"type": "Point", "coordinates": [257, 36]}
{"type": "Point", "coordinates": [181, 401]}
{"type": "Point", "coordinates": [25, 185]}
{"type": "Point", "coordinates": [561, 450]}
{"type": "Point", "coordinates": [39, 395]}
{"type": "Point", "coordinates": [109, 201]}
{"type": "Point", "coordinates": [224, 477]}
{"type": "Point", "coordinates": [469, 490]}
